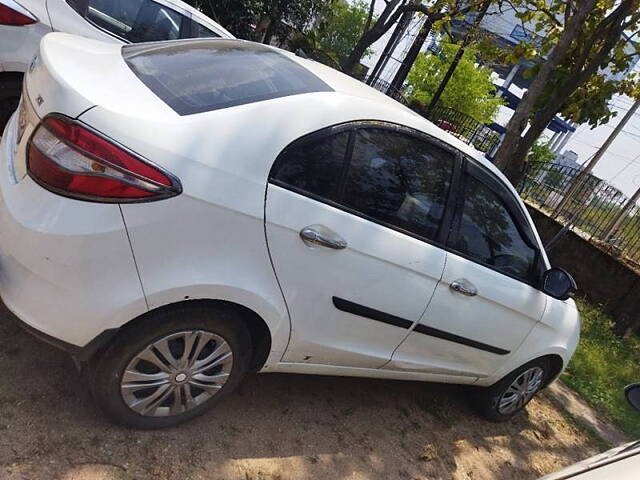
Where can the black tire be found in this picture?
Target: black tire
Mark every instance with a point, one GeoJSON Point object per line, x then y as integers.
{"type": "Point", "coordinates": [106, 372]}
{"type": "Point", "coordinates": [487, 400]}
{"type": "Point", "coordinates": [10, 91]}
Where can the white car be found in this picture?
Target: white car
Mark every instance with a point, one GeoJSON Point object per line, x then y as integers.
{"type": "Point", "coordinates": [619, 463]}
{"type": "Point", "coordinates": [23, 23]}
{"type": "Point", "coordinates": [176, 214]}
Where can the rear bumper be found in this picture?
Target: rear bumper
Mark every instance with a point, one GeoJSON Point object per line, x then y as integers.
{"type": "Point", "coordinates": [66, 266]}
{"type": "Point", "coordinates": [81, 354]}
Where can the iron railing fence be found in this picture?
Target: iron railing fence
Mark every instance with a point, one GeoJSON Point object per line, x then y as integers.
{"type": "Point", "coordinates": [386, 88]}
{"type": "Point", "coordinates": [590, 210]}
{"type": "Point", "coordinates": [465, 128]}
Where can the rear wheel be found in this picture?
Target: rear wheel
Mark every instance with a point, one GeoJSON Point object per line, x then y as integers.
{"type": "Point", "coordinates": [10, 90]}
{"type": "Point", "coordinates": [171, 367]}
{"type": "Point", "coordinates": [509, 396]}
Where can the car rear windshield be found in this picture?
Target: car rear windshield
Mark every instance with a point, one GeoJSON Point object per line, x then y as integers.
{"type": "Point", "coordinates": [195, 76]}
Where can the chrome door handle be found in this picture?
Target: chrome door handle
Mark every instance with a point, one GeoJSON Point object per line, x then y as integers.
{"type": "Point", "coordinates": [319, 235]}
{"type": "Point", "coordinates": [465, 287]}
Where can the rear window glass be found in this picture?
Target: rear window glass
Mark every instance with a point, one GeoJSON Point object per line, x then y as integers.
{"type": "Point", "coordinates": [195, 76]}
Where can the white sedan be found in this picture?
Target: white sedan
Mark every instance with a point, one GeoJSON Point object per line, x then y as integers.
{"type": "Point", "coordinates": [176, 214]}
{"type": "Point", "coordinates": [23, 23]}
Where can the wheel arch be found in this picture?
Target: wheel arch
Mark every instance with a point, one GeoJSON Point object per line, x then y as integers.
{"type": "Point", "coordinates": [261, 335]}
{"type": "Point", "coordinates": [6, 76]}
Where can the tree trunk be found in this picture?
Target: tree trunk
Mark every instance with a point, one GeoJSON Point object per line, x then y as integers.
{"type": "Point", "coordinates": [369, 37]}
{"type": "Point", "coordinates": [353, 60]}
{"type": "Point", "coordinates": [511, 155]}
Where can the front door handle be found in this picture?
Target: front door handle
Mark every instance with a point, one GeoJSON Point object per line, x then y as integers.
{"type": "Point", "coordinates": [465, 287]}
{"type": "Point", "coordinates": [319, 235]}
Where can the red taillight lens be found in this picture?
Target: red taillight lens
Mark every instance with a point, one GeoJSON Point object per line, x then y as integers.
{"type": "Point", "coordinates": [71, 160]}
{"type": "Point", "coordinates": [8, 16]}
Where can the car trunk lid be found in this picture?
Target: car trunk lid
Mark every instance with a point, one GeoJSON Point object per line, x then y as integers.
{"type": "Point", "coordinates": [69, 76]}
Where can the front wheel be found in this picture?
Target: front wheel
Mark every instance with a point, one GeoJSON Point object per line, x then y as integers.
{"type": "Point", "coordinates": [171, 367]}
{"type": "Point", "coordinates": [509, 396]}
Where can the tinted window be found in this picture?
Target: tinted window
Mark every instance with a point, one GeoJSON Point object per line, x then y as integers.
{"type": "Point", "coordinates": [197, 30]}
{"type": "Point", "coordinates": [136, 20]}
{"type": "Point", "coordinates": [314, 167]}
{"type": "Point", "coordinates": [156, 23]}
{"type": "Point", "coordinates": [196, 76]}
{"type": "Point", "coordinates": [488, 232]}
{"type": "Point", "coordinates": [399, 180]}
{"type": "Point", "coordinates": [116, 16]}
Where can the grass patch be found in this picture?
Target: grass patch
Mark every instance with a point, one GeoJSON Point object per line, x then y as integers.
{"type": "Point", "coordinates": [602, 365]}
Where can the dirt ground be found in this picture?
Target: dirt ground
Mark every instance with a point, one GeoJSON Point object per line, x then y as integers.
{"type": "Point", "coordinates": [276, 427]}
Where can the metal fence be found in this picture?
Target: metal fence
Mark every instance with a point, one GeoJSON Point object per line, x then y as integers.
{"type": "Point", "coordinates": [465, 128]}
{"type": "Point", "coordinates": [386, 88]}
{"type": "Point", "coordinates": [586, 204]}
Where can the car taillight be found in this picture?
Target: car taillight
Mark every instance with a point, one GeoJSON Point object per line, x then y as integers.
{"type": "Point", "coordinates": [9, 16]}
{"type": "Point", "coordinates": [71, 160]}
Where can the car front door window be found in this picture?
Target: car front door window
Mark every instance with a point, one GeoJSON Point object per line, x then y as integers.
{"type": "Point", "coordinates": [489, 234]}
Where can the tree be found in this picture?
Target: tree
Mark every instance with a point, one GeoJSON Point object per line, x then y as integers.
{"type": "Point", "coordinates": [437, 11]}
{"type": "Point", "coordinates": [470, 90]}
{"type": "Point", "coordinates": [580, 42]}
{"type": "Point", "coordinates": [238, 16]}
{"type": "Point", "coordinates": [341, 28]}
{"type": "Point", "coordinates": [262, 20]}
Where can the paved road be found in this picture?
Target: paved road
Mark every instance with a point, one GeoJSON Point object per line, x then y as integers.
{"type": "Point", "coordinates": [275, 427]}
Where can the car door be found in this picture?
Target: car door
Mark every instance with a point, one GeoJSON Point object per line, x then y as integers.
{"type": "Point", "coordinates": [487, 301]}
{"type": "Point", "coordinates": [353, 221]}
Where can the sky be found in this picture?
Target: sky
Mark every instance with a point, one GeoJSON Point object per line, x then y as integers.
{"type": "Point", "coordinates": [620, 164]}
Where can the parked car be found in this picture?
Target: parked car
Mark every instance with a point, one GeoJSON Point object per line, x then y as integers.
{"type": "Point", "coordinates": [178, 213]}
{"type": "Point", "coordinates": [620, 463]}
{"type": "Point", "coordinates": [24, 22]}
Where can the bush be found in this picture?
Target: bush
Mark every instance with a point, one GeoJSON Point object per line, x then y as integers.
{"type": "Point", "coordinates": [603, 365]}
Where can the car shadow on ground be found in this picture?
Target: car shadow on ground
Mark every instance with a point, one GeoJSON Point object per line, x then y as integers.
{"type": "Point", "coordinates": [274, 427]}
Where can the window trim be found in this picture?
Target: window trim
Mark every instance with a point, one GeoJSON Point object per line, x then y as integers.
{"type": "Point", "coordinates": [513, 207]}
{"type": "Point", "coordinates": [352, 127]}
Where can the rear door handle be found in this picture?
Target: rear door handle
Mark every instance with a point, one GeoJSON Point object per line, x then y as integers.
{"type": "Point", "coordinates": [465, 287]}
{"type": "Point", "coordinates": [319, 235]}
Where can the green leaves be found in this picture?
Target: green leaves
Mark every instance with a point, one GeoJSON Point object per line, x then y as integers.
{"type": "Point", "coordinates": [341, 28]}
{"type": "Point", "coordinates": [470, 90]}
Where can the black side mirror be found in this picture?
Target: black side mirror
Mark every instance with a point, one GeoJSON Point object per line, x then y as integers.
{"type": "Point", "coordinates": [632, 392]}
{"type": "Point", "coordinates": [558, 283]}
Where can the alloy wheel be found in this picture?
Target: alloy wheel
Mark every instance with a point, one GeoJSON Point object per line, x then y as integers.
{"type": "Point", "coordinates": [176, 373]}
{"type": "Point", "coordinates": [521, 390]}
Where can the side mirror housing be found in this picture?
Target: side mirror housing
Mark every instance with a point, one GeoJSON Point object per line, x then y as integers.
{"type": "Point", "coordinates": [558, 283]}
{"type": "Point", "coordinates": [632, 392]}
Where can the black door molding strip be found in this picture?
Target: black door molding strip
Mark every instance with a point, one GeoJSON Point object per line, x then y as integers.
{"type": "Point", "coordinates": [363, 311]}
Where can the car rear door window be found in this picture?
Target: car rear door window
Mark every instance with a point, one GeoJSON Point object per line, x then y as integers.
{"type": "Point", "coordinates": [115, 16]}
{"type": "Point", "coordinates": [489, 234]}
{"type": "Point", "coordinates": [399, 180]}
{"type": "Point", "coordinates": [314, 166]}
{"type": "Point", "coordinates": [197, 30]}
{"type": "Point", "coordinates": [137, 20]}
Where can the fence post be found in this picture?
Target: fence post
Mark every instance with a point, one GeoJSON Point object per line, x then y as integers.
{"type": "Point", "coordinates": [617, 222]}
